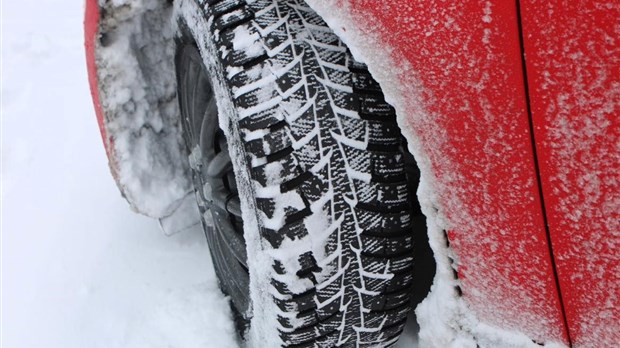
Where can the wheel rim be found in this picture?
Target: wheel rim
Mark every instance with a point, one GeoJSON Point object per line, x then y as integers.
{"type": "Point", "coordinates": [213, 176]}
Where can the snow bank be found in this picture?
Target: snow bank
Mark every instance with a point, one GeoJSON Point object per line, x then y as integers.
{"type": "Point", "coordinates": [79, 269]}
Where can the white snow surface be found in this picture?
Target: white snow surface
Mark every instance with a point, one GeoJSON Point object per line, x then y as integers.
{"type": "Point", "coordinates": [79, 268]}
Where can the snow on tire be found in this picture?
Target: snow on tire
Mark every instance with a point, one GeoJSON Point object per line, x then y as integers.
{"type": "Point", "coordinates": [319, 162]}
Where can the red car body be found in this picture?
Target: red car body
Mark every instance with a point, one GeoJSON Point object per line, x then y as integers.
{"type": "Point", "coordinates": [522, 133]}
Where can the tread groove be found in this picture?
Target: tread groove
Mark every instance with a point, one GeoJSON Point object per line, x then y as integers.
{"type": "Point", "coordinates": [390, 256]}
{"type": "Point", "coordinates": [380, 118]}
{"type": "Point", "coordinates": [396, 180]}
{"type": "Point", "coordinates": [251, 62]}
{"type": "Point", "coordinates": [392, 309]}
{"type": "Point", "coordinates": [294, 183]}
{"type": "Point", "coordinates": [372, 92]}
{"type": "Point", "coordinates": [398, 233]}
{"type": "Point", "coordinates": [298, 216]}
{"type": "Point", "coordinates": [386, 209]}
{"type": "Point", "coordinates": [319, 321]}
{"type": "Point", "coordinates": [314, 339]}
{"type": "Point", "coordinates": [383, 147]}
{"type": "Point", "coordinates": [276, 156]}
{"type": "Point", "coordinates": [219, 13]}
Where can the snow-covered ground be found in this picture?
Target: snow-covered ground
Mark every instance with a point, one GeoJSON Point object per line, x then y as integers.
{"type": "Point", "coordinates": [79, 269]}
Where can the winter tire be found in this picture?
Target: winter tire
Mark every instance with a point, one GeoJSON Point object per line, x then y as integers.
{"type": "Point", "coordinates": [276, 111]}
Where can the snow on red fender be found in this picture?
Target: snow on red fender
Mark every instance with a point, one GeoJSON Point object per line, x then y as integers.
{"type": "Point", "coordinates": [573, 69]}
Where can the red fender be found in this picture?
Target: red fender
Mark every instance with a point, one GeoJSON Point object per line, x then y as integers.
{"type": "Point", "coordinates": [91, 33]}
{"type": "Point", "coordinates": [526, 170]}
{"type": "Point", "coordinates": [467, 60]}
{"type": "Point", "coordinates": [573, 69]}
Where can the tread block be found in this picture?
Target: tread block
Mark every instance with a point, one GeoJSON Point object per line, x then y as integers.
{"type": "Point", "coordinates": [298, 302]}
{"type": "Point", "coordinates": [389, 333]}
{"type": "Point", "coordinates": [365, 83]}
{"type": "Point", "coordinates": [303, 121]}
{"type": "Point", "coordinates": [261, 120]}
{"type": "Point", "coordinates": [257, 97]}
{"type": "Point", "coordinates": [357, 128]}
{"type": "Point", "coordinates": [383, 133]}
{"type": "Point", "coordinates": [376, 106]}
{"type": "Point", "coordinates": [310, 333]}
{"type": "Point", "coordinates": [314, 188]}
{"type": "Point", "coordinates": [240, 77]}
{"type": "Point", "coordinates": [296, 182]}
{"type": "Point", "coordinates": [387, 302]}
{"type": "Point", "coordinates": [232, 19]}
{"type": "Point", "coordinates": [271, 143]}
{"type": "Point", "coordinates": [358, 67]}
{"type": "Point", "coordinates": [276, 173]}
{"type": "Point", "coordinates": [384, 195]}
{"type": "Point", "coordinates": [385, 247]}
{"type": "Point", "coordinates": [380, 264]}
{"type": "Point", "coordinates": [294, 231]}
{"type": "Point", "coordinates": [358, 158]}
{"type": "Point", "coordinates": [387, 222]}
{"type": "Point", "coordinates": [387, 165]}
{"type": "Point", "coordinates": [390, 317]}
{"type": "Point", "coordinates": [222, 7]}
{"type": "Point", "coordinates": [246, 58]}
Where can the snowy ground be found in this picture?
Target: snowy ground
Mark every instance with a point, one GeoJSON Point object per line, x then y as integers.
{"type": "Point", "coordinates": [79, 269]}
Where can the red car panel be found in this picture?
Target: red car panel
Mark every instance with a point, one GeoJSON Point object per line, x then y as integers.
{"type": "Point", "coordinates": [91, 33]}
{"type": "Point", "coordinates": [466, 57]}
{"type": "Point", "coordinates": [573, 68]}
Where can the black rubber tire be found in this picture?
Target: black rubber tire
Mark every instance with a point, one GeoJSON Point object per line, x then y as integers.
{"type": "Point", "coordinates": [320, 122]}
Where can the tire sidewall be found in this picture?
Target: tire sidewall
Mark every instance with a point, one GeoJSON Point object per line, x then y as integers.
{"type": "Point", "coordinates": [191, 24]}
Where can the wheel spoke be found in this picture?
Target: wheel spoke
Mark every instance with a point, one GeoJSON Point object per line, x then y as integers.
{"type": "Point", "coordinates": [213, 177]}
{"type": "Point", "coordinates": [208, 129]}
{"type": "Point", "coordinates": [233, 206]}
{"type": "Point", "coordinates": [232, 239]}
{"type": "Point", "coordinates": [211, 109]}
{"type": "Point", "coordinates": [220, 165]}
